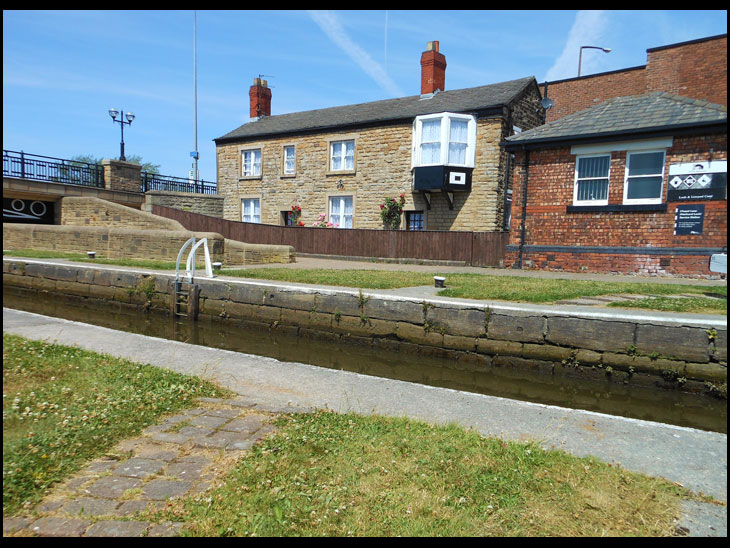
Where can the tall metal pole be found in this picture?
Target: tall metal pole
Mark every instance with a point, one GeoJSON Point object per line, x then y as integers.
{"type": "Point", "coordinates": [195, 89]}
{"type": "Point", "coordinates": [121, 156]}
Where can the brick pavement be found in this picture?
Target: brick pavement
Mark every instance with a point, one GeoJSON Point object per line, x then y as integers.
{"type": "Point", "coordinates": [116, 495]}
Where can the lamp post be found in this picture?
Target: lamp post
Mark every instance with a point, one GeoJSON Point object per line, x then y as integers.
{"type": "Point", "coordinates": [580, 55]}
{"type": "Point", "coordinates": [130, 117]}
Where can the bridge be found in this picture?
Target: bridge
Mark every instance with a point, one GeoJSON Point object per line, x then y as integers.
{"type": "Point", "coordinates": [33, 185]}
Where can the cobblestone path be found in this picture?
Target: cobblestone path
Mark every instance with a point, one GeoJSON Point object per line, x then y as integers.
{"type": "Point", "coordinates": [183, 455]}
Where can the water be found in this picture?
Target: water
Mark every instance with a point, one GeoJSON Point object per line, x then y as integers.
{"type": "Point", "coordinates": [575, 390]}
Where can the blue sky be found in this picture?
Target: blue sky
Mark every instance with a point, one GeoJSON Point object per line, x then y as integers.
{"type": "Point", "coordinates": [63, 70]}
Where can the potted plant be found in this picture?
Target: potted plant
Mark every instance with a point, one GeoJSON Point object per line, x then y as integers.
{"type": "Point", "coordinates": [294, 215]}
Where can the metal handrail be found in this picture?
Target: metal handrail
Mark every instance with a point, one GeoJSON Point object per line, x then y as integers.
{"type": "Point", "coordinates": [190, 265]}
{"type": "Point", "coordinates": [155, 181]}
{"type": "Point", "coordinates": [59, 170]}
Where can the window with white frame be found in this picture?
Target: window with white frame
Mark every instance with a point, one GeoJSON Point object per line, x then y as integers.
{"type": "Point", "coordinates": [251, 210]}
{"type": "Point", "coordinates": [644, 182]}
{"type": "Point", "coordinates": [342, 155]}
{"type": "Point", "coordinates": [341, 211]}
{"type": "Point", "coordinates": [444, 139]}
{"type": "Point", "coordinates": [591, 180]}
{"type": "Point", "coordinates": [289, 160]}
{"type": "Point", "coordinates": [251, 162]}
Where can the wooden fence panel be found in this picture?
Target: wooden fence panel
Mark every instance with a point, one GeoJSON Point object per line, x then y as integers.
{"type": "Point", "coordinates": [471, 248]}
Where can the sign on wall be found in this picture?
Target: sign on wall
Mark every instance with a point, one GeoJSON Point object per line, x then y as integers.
{"type": "Point", "coordinates": [697, 181]}
{"type": "Point", "coordinates": [16, 210]}
{"type": "Point", "coordinates": [689, 219]}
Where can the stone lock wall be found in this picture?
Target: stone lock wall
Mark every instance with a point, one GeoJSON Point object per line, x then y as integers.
{"type": "Point", "coordinates": [689, 355]}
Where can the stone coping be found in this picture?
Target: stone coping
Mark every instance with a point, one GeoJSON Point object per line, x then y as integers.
{"type": "Point", "coordinates": [575, 311]}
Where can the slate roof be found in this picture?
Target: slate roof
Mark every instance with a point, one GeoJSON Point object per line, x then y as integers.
{"type": "Point", "coordinates": [626, 115]}
{"type": "Point", "coordinates": [460, 100]}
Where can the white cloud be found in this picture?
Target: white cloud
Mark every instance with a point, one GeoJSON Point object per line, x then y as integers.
{"type": "Point", "coordinates": [331, 26]}
{"type": "Point", "coordinates": [588, 29]}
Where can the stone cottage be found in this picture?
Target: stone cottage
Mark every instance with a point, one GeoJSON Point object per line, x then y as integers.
{"type": "Point", "coordinates": [440, 149]}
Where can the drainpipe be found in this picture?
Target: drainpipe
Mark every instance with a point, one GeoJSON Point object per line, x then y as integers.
{"type": "Point", "coordinates": [523, 228]}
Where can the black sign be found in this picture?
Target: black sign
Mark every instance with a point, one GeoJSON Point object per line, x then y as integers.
{"type": "Point", "coordinates": [689, 219]}
{"type": "Point", "coordinates": [17, 210]}
{"type": "Point", "coordinates": [685, 187]}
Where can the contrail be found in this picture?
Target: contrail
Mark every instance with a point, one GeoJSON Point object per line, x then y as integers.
{"type": "Point", "coordinates": [587, 30]}
{"type": "Point", "coordinates": [331, 26]}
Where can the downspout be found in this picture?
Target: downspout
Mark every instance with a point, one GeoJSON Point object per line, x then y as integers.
{"type": "Point", "coordinates": [523, 228]}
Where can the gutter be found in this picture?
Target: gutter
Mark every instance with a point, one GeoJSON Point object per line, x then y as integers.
{"type": "Point", "coordinates": [523, 227]}
{"type": "Point", "coordinates": [716, 126]}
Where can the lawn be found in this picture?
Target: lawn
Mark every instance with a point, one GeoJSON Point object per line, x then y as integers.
{"type": "Point", "coordinates": [63, 406]}
{"type": "Point", "coordinates": [321, 474]}
{"type": "Point", "coordinates": [329, 474]}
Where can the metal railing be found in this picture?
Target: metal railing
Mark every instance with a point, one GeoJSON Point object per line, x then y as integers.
{"type": "Point", "coordinates": [153, 181]}
{"type": "Point", "coordinates": [54, 170]}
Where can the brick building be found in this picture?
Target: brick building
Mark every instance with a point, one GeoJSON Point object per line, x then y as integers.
{"type": "Point", "coordinates": [696, 69]}
{"type": "Point", "coordinates": [440, 149]}
{"type": "Point", "coordinates": [635, 184]}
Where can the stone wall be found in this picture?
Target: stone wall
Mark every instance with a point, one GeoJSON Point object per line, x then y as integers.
{"type": "Point", "coordinates": [83, 211]}
{"type": "Point", "coordinates": [689, 355]}
{"type": "Point", "coordinates": [112, 243]}
{"type": "Point", "coordinates": [240, 253]}
{"type": "Point", "coordinates": [204, 204]}
{"type": "Point", "coordinates": [382, 170]}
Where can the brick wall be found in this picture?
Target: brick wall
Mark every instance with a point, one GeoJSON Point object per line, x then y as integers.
{"type": "Point", "coordinates": [550, 191]}
{"type": "Point", "coordinates": [696, 69]}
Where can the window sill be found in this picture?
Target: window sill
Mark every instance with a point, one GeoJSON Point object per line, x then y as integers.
{"type": "Point", "coordinates": [616, 208]}
{"type": "Point", "coordinates": [339, 173]}
{"type": "Point", "coordinates": [250, 178]}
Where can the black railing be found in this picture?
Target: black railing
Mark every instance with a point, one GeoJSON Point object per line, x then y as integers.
{"type": "Point", "coordinates": [54, 170]}
{"type": "Point", "coordinates": [153, 181]}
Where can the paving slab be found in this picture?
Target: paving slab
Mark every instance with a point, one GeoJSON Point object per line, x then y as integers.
{"type": "Point", "coordinates": [112, 487]}
{"type": "Point", "coordinates": [116, 528]}
{"type": "Point", "coordinates": [59, 527]}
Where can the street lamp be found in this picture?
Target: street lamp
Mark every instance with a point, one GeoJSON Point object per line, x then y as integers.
{"type": "Point", "coordinates": [580, 55]}
{"type": "Point", "coordinates": [130, 117]}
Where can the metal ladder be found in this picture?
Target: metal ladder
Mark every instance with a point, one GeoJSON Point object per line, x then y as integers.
{"type": "Point", "coordinates": [185, 292]}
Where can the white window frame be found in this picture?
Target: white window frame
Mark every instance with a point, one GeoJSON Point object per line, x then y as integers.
{"type": "Point", "coordinates": [284, 171]}
{"type": "Point", "coordinates": [339, 219]}
{"type": "Point", "coordinates": [249, 206]}
{"type": "Point", "coordinates": [342, 156]}
{"type": "Point", "coordinates": [657, 200]}
{"type": "Point", "coordinates": [255, 166]}
{"type": "Point", "coordinates": [445, 118]}
{"type": "Point", "coordinates": [576, 201]}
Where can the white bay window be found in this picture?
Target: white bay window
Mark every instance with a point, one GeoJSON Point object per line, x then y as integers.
{"type": "Point", "coordinates": [447, 139]}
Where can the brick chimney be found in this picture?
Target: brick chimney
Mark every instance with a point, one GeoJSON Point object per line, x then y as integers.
{"type": "Point", "coordinates": [260, 98]}
{"type": "Point", "coordinates": [433, 69]}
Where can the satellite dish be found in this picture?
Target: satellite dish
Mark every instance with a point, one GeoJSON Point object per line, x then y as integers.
{"type": "Point", "coordinates": [547, 103]}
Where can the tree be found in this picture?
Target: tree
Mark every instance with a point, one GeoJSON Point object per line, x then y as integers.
{"type": "Point", "coordinates": [136, 159]}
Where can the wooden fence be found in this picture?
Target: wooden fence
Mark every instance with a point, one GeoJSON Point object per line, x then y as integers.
{"type": "Point", "coordinates": [470, 248]}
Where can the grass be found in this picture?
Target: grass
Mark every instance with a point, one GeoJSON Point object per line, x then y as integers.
{"type": "Point", "coordinates": [63, 406]}
{"type": "Point", "coordinates": [706, 299]}
{"type": "Point", "coordinates": [320, 474]}
{"type": "Point", "coordinates": [328, 474]}
{"type": "Point", "coordinates": [83, 258]}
